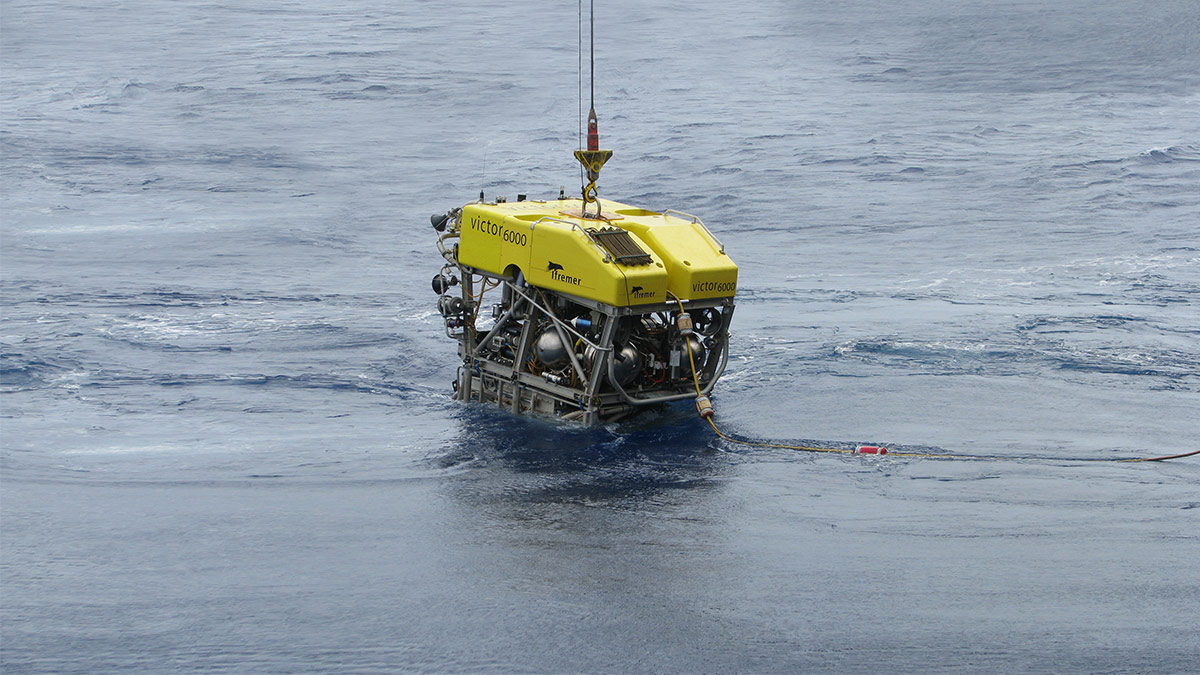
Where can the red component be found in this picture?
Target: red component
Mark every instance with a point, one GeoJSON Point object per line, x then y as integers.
{"type": "Point", "coordinates": [593, 133]}
{"type": "Point", "coordinates": [872, 450]}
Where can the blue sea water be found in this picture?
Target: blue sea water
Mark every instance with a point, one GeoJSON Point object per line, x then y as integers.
{"type": "Point", "coordinates": [226, 435]}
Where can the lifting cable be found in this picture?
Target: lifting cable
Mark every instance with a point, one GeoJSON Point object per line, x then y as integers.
{"type": "Point", "coordinates": [706, 411]}
{"type": "Point", "coordinates": [592, 74]}
{"type": "Point", "coordinates": [580, 81]}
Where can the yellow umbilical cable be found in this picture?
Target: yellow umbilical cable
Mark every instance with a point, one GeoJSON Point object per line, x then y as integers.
{"type": "Point", "coordinates": [1159, 459]}
{"type": "Point", "coordinates": [934, 455]}
{"type": "Point", "coordinates": [696, 380]}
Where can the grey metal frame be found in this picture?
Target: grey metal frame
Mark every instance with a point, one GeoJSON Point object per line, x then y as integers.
{"type": "Point", "coordinates": [485, 379]}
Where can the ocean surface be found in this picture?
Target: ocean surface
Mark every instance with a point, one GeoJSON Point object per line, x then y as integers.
{"type": "Point", "coordinates": [227, 441]}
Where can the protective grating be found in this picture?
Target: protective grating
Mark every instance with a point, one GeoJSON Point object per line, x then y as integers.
{"type": "Point", "coordinates": [620, 246]}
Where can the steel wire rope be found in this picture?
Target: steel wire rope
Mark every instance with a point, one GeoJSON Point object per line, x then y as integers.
{"type": "Point", "coordinates": [592, 47]}
{"type": "Point", "coordinates": [582, 176]}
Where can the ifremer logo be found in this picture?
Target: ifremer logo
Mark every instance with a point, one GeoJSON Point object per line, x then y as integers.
{"type": "Point", "coordinates": [557, 274]}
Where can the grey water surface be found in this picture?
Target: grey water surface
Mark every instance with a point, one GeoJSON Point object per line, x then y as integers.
{"type": "Point", "coordinates": [227, 436]}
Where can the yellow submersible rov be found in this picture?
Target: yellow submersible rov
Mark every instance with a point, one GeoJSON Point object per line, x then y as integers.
{"type": "Point", "coordinates": [604, 308]}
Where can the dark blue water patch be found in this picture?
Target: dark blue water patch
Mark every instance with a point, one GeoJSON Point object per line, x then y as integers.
{"type": "Point", "coordinates": [20, 371]}
{"type": "Point", "coordinates": [775, 138]}
{"type": "Point", "coordinates": [181, 348]}
{"type": "Point", "coordinates": [125, 155]}
{"type": "Point", "coordinates": [71, 158]}
{"type": "Point", "coordinates": [533, 444]}
{"type": "Point", "coordinates": [201, 337]}
{"type": "Point", "coordinates": [333, 78]}
{"type": "Point", "coordinates": [555, 463]}
{"type": "Point", "coordinates": [863, 60]}
{"type": "Point", "coordinates": [396, 391]}
{"type": "Point", "coordinates": [1175, 368]}
{"type": "Point", "coordinates": [539, 444]}
{"type": "Point", "coordinates": [372, 93]}
{"type": "Point", "coordinates": [775, 294]}
{"type": "Point", "coordinates": [861, 160]}
{"type": "Point", "coordinates": [165, 298]}
{"type": "Point", "coordinates": [232, 188]}
{"type": "Point", "coordinates": [625, 486]}
{"type": "Point", "coordinates": [360, 54]}
{"type": "Point", "coordinates": [1072, 324]}
{"type": "Point", "coordinates": [936, 357]}
{"type": "Point", "coordinates": [947, 479]}
{"type": "Point", "coordinates": [1000, 48]}
{"type": "Point", "coordinates": [1166, 368]}
{"type": "Point", "coordinates": [1154, 157]}
{"type": "Point", "coordinates": [906, 175]}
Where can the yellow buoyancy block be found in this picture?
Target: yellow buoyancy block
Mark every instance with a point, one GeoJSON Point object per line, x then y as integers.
{"type": "Point", "coordinates": [632, 257]}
